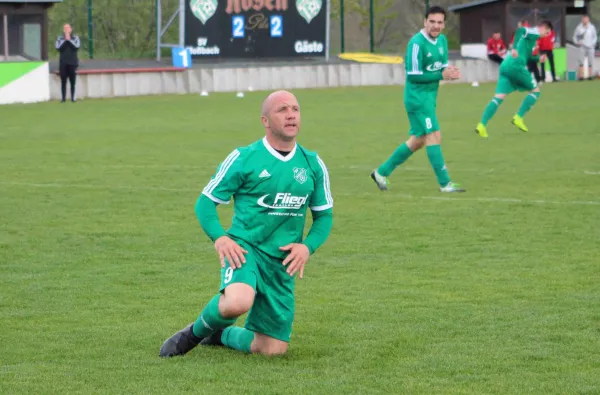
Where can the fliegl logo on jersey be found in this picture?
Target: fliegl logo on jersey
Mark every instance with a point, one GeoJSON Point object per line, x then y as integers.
{"type": "Point", "coordinates": [282, 203]}
{"type": "Point", "coordinates": [435, 67]}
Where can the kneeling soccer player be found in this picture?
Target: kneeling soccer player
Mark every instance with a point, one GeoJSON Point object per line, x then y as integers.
{"type": "Point", "coordinates": [273, 181]}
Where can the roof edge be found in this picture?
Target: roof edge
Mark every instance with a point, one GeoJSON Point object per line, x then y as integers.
{"type": "Point", "coordinates": [472, 4]}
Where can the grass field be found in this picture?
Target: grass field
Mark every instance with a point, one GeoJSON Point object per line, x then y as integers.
{"type": "Point", "coordinates": [493, 291]}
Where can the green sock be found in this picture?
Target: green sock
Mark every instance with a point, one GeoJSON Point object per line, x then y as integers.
{"type": "Point", "coordinates": [528, 102]}
{"type": "Point", "coordinates": [434, 153]}
{"type": "Point", "coordinates": [400, 155]}
{"type": "Point", "coordinates": [210, 319]}
{"type": "Point", "coordinates": [237, 338]}
{"type": "Point", "coordinates": [490, 110]}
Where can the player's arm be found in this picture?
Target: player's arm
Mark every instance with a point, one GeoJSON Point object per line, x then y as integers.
{"type": "Point", "coordinates": [320, 229]}
{"type": "Point", "coordinates": [518, 35]}
{"type": "Point", "coordinates": [219, 190]}
{"type": "Point", "coordinates": [445, 56]}
{"type": "Point", "coordinates": [516, 40]}
{"type": "Point", "coordinates": [206, 211]}
{"type": "Point", "coordinates": [321, 206]}
{"type": "Point", "coordinates": [414, 66]}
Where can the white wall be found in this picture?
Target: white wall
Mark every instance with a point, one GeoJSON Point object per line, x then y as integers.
{"type": "Point", "coordinates": [30, 88]}
{"type": "Point", "coordinates": [258, 78]}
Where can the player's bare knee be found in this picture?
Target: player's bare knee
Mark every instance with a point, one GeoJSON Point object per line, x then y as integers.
{"type": "Point", "coordinates": [267, 345]}
{"type": "Point", "coordinates": [237, 300]}
{"type": "Point", "coordinates": [236, 308]}
{"type": "Point", "coordinates": [272, 350]}
{"type": "Point", "coordinates": [500, 96]}
{"type": "Point", "coordinates": [415, 143]}
{"type": "Point", "coordinates": [433, 138]}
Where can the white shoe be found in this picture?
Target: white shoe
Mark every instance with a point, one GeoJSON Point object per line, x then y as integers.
{"type": "Point", "coordinates": [452, 187]}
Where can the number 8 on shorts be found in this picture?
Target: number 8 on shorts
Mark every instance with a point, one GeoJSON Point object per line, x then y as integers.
{"type": "Point", "coordinates": [422, 123]}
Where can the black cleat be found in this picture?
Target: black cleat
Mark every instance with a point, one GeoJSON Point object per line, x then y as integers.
{"type": "Point", "coordinates": [180, 343]}
{"type": "Point", "coordinates": [214, 339]}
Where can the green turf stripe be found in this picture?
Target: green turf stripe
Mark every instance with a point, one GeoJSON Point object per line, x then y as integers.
{"type": "Point", "coordinates": [11, 71]}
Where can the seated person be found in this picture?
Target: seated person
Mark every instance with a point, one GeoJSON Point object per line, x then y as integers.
{"type": "Point", "coordinates": [496, 48]}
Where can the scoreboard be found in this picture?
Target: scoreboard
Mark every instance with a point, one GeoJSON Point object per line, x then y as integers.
{"type": "Point", "coordinates": [256, 28]}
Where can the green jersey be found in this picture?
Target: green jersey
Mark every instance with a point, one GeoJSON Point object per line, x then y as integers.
{"type": "Point", "coordinates": [518, 34]}
{"type": "Point", "coordinates": [426, 58]}
{"type": "Point", "coordinates": [525, 43]}
{"type": "Point", "coordinates": [271, 194]}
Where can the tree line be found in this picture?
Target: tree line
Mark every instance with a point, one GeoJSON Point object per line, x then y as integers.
{"type": "Point", "coordinates": [127, 29]}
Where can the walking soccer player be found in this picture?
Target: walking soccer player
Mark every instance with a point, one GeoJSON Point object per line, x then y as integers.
{"type": "Point", "coordinates": [514, 76]}
{"type": "Point", "coordinates": [426, 66]}
{"type": "Point", "coordinates": [272, 181]}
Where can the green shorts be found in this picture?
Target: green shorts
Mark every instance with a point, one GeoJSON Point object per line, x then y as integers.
{"type": "Point", "coordinates": [272, 313]}
{"type": "Point", "coordinates": [517, 79]}
{"type": "Point", "coordinates": [422, 122]}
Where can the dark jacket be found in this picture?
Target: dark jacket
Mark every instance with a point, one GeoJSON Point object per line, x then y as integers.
{"type": "Point", "coordinates": [68, 50]}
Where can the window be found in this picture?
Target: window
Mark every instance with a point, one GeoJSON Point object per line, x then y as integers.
{"type": "Point", "coordinates": [20, 37]}
{"type": "Point", "coordinates": [25, 37]}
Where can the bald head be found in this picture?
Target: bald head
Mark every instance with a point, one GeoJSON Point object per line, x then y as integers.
{"type": "Point", "coordinates": [275, 98]}
{"type": "Point", "coordinates": [281, 116]}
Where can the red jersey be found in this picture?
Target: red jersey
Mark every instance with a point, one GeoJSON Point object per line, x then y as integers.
{"type": "Point", "coordinates": [547, 43]}
{"type": "Point", "coordinates": [496, 46]}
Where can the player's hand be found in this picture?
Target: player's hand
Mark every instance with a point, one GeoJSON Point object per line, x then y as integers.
{"type": "Point", "coordinates": [514, 53]}
{"type": "Point", "coordinates": [543, 59]}
{"type": "Point", "coordinates": [227, 248]}
{"type": "Point", "coordinates": [455, 73]}
{"type": "Point", "coordinates": [451, 73]}
{"type": "Point", "coordinates": [296, 259]}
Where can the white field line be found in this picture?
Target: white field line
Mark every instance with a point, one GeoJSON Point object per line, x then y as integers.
{"type": "Point", "coordinates": [456, 198]}
{"type": "Point", "coordinates": [361, 167]}
{"type": "Point", "coordinates": [91, 186]}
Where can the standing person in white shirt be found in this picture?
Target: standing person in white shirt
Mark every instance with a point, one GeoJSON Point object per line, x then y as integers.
{"type": "Point", "coordinates": [586, 37]}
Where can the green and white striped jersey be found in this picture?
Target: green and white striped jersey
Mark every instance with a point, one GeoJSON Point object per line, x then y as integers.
{"type": "Point", "coordinates": [271, 193]}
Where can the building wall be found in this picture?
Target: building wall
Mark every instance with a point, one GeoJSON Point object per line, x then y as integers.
{"type": "Point", "coordinates": [477, 23]}
{"type": "Point", "coordinates": [26, 20]}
